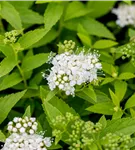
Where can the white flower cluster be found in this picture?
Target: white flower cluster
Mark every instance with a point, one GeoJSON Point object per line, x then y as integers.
{"type": "Point", "coordinates": [71, 69]}
{"type": "Point", "coordinates": [26, 125]}
{"type": "Point", "coordinates": [125, 15]}
{"type": "Point", "coordinates": [23, 136]}
{"type": "Point", "coordinates": [26, 142]}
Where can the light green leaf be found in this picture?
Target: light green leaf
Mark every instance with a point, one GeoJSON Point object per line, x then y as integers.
{"type": "Point", "coordinates": [85, 39]}
{"type": "Point", "coordinates": [48, 1]}
{"type": "Point", "coordinates": [102, 44]}
{"type": "Point", "coordinates": [75, 9]}
{"type": "Point", "coordinates": [115, 99]}
{"type": "Point", "coordinates": [7, 65]}
{"type": "Point", "coordinates": [50, 36]}
{"type": "Point", "coordinates": [131, 33]}
{"type": "Point", "coordinates": [126, 76]}
{"type": "Point", "coordinates": [20, 4]}
{"type": "Point", "coordinates": [32, 37]}
{"type": "Point", "coordinates": [124, 125]}
{"type": "Point", "coordinates": [35, 61]}
{"type": "Point", "coordinates": [10, 80]}
{"type": "Point", "coordinates": [52, 14]}
{"type": "Point", "coordinates": [108, 68]}
{"type": "Point", "coordinates": [92, 27]}
{"type": "Point", "coordinates": [2, 136]}
{"type": "Point", "coordinates": [27, 112]}
{"type": "Point", "coordinates": [103, 121]}
{"type": "Point", "coordinates": [10, 14]}
{"type": "Point", "coordinates": [6, 50]}
{"type": "Point", "coordinates": [29, 16]}
{"type": "Point", "coordinates": [107, 80]}
{"type": "Point", "coordinates": [95, 7]}
{"type": "Point", "coordinates": [130, 102]}
{"type": "Point", "coordinates": [51, 111]}
{"type": "Point", "coordinates": [120, 89]}
{"type": "Point", "coordinates": [87, 94]}
{"type": "Point", "coordinates": [105, 108]}
{"type": "Point", "coordinates": [7, 102]}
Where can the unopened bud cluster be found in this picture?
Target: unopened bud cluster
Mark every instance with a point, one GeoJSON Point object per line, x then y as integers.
{"type": "Point", "coordinates": [128, 51]}
{"type": "Point", "coordinates": [117, 141]}
{"type": "Point", "coordinates": [125, 15]}
{"type": "Point", "coordinates": [23, 136]}
{"type": "Point", "coordinates": [70, 69]}
{"type": "Point", "coordinates": [11, 37]}
{"type": "Point", "coordinates": [67, 46]}
{"type": "Point", "coordinates": [80, 131]}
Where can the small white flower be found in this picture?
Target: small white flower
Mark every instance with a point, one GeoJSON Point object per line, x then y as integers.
{"type": "Point", "coordinates": [22, 130]}
{"type": "Point", "coordinates": [16, 119]}
{"type": "Point", "coordinates": [18, 125]}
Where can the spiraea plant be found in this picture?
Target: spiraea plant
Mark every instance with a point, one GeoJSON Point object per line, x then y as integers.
{"type": "Point", "coordinates": [68, 69]}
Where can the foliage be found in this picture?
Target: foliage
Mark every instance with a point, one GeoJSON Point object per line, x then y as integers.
{"type": "Point", "coordinates": [100, 115]}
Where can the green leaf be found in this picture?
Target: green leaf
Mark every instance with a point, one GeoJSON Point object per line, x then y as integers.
{"type": "Point", "coordinates": [2, 136]}
{"type": "Point", "coordinates": [29, 16]}
{"type": "Point", "coordinates": [124, 125]}
{"type": "Point", "coordinates": [32, 37]}
{"type": "Point", "coordinates": [7, 102]}
{"type": "Point", "coordinates": [107, 80]}
{"type": "Point", "coordinates": [102, 44]}
{"type": "Point", "coordinates": [120, 89]}
{"type": "Point", "coordinates": [76, 9]}
{"type": "Point", "coordinates": [61, 106]}
{"type": "Point", "coordinates": [48, 1]}
{"type": "Point", "coordinates": [9, 13]}
{"type": "Point", "coordinates": [103, 121]}
{"type": "Point", "coordinates": [20, 4]}
{"type": "Point", "coordinates": [126, 76]}
{"type": "Point", "coordinates": [10, 80]}
{"type": "Point", "coordinates": [105, 108]}
{"type": "Point", "coordinates": [7, 65]}
{"type": "Point", "coordinates": [27, 112]}
{"type": "Point", "coordinates": [131, 33]}
{"type": "Point", "coordinates": [95, 7]}
{"type": "Point", "coordinates": [108, 68]}
{"type": "Point", "coordinates": [51, 111]}
{"type": "Point", "coordinates": [52, 14]}
{"type": "Point", "coordinates": [130, 102]}
{"type": "Point", "coordinates": [50, 36]}
{"type": "Point", "coordinates": [7, 50]}
{"type": "Point", "coordinates": [115, 99]}
{"type": "Point", "coordinates": [35, 61]}
{"type": "Point", "coordinates": [87, 94]}
{"type": "Point", "coordinates": [92, 27]}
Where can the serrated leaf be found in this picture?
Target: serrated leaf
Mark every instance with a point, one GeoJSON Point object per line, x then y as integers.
{"type": "Point", "coordinates": [51, 111]}
{"type": "Point", "coordinates": [62, 106]}
{"type": "Point", "coordinates": [7, 65]}
{"type": "Point", "coordinates": [10, 14]}
{"type": "Point", "coordinates": [2, 136]}
{"type": "Point", "coordinates": [52, 14]}
{"type": "Point", "coordinates": [96, 10]}
{"type": "Point", "coordinates": [50, 36]}
{"type": "Point", "coordinates": [35, 61]}
{"type": "Point", "coordinates": [92, 27]}
{"type": "Point", "coordinates": [126, 76]}
{"type": "Point", "coordinates": [31, 37]}
{"type": "Point", "coordinates": [27, 112]}
{"type": "Point", "coordinates": [124, 125]}
{"type": "Point", "coordinates": [120, 89]}
{"type": "Point", "coordinates": [7, 103]}
{"type": "Point", "coordinates": [102, 44]}
{"type": "Point", "coordinates": [10, 80]}
{"type": "Point", "coordinates": [130, 102]}
{"type": "Point", "coordinates": [48, 1]}
{"type": "Point", "coordinates": [115, 99]}
{"type": "Point", "coordinates": [75, 9]}
{"type": "Point", "coordinates": [87, 94]}
{"type": "Point", "coordinates": [105, 108]}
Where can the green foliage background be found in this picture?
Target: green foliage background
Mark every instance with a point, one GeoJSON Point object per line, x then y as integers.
{"type": "Point", "coordinates": [23, 91]}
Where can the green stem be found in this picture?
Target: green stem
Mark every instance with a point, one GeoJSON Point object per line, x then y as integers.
{"type": "Point", "coordinates": [20, 70]}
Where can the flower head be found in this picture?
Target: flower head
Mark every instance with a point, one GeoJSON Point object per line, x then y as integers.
{"type": "Point", "coordinates": [125, 15]}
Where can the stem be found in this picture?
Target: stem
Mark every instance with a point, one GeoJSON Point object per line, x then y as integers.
{"type": "Point", "coordinates": [20, 70]}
